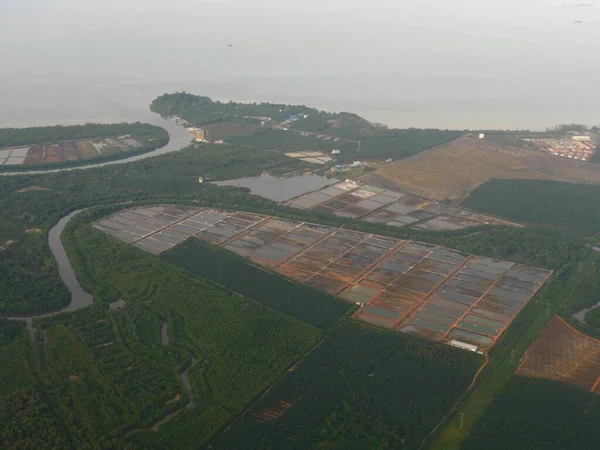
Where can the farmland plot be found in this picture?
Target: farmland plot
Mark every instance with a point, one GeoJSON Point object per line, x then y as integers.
{"type": "Point", "coordinates": [362, 389]}
{"type": "Point", "coordinates": [562, 353]}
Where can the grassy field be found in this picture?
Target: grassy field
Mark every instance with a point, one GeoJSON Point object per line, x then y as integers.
{"type": "Point", "coordinates": [362, 388]}
{"type": "Point", "coordinates": [453, 170]}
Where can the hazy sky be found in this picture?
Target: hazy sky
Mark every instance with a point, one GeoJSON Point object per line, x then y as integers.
{"type": "Point", "coordinates": [380, 57]}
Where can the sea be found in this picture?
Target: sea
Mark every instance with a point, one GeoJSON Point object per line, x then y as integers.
{"type": "Point", "coordinates": [457, 64]}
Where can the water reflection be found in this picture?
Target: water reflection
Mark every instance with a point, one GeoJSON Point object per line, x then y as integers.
{"type": "Point", "coordinates": [280, 189]}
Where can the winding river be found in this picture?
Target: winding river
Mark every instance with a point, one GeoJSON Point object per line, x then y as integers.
{"type": "Point", "coordinates": [79, 298]}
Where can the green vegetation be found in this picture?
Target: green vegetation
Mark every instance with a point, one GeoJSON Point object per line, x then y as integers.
{"type": "Point", "coordinates": [100, 379]}
{"type": "Point", "coordinates": [13, 137]}
{"type": "Point", "coordinates": [241, 345]}
{"type": "Point", "coordinates": [596, 156]}
{"type": "Point", "coordinates": [361, 388]}
{"type": "Point", "coordinates": [29, 279]}
{"type": "Point", "coordinates": [174, 178]}
{"type": "Point", "coordinates": [105, 375]}
{"type": "Point", "coordinates": [270, 289]}
{"type": "Point", "coordinates": [592, 318]}
{"type": "Point", "coordinates": [563, 205]}
{"type": "Point", "coordinates": [538, 414]}
{"type": "Point", "coordinates": [377, 141]}
{"type": "Point", "coordinates": [202, 110]}
{"type": "Point", "coordinates": [9, 330]}
{"type": "Point", "coordinates": [569, 286]}
{"type": "Point", "coordinates": [341, 131]}
{"type": "Point", "coordinates": [397, 144]}
{"type": "Point", "coordinates": [290, 141]}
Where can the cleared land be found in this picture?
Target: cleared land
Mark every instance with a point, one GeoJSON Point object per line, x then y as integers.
{"type": "Point", "coordinates": [453, 170]}
{"type": "Point", "coordinates": [414, 288]}
{"type": "Point", "coordinates": [561, 353]}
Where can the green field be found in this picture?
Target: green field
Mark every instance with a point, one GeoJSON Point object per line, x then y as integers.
{"type": "Point", "coordinates": [562, 205]}
{"type": "Point", "coordinates": [377, 141]}
{"type": "Point", "coordinates": [270, 289]}
{"type": "Point", "coordinates": [362, 388]}
{"type": "Point", "coordinates": [290, 141]}
{"type": "Point", "coordinates": [538, 414]}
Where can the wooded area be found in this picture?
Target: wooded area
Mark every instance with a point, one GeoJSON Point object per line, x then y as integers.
{"type": "Point", "coordinates": [106, 373]}
{"type": "Point", "coordinates": [341, 131]}
{"type": "Point", "coordinates": [538, 414]}
{"type": "Point", "coordinates": [12, 137]}
{"type": "Point", "coordinates": [273, 290]}
{"type": "Point", "coordinates": [361, 388]}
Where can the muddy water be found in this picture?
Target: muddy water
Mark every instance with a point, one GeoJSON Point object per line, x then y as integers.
{"type": "Point", "coordinates": [164, 334]}
{"type": "Point", "coordinates": [186, 383]}
{"type": "Point", "coordinates": [119, 304]}
{"type": "Point", "coordinates": [79, 298]}
{"type": "Point", "coordinates": [581, 314]}
{"type": "Point", "coordinates": [280, 189]}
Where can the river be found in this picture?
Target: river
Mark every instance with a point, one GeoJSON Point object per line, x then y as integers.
{"type": "Point", "coordinates": [79, 298]}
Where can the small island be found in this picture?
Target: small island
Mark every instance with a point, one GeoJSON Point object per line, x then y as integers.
{"type": "Point", "coordinates": [62, 146]}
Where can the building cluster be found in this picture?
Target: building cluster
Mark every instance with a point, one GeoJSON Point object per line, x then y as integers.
{"type": "Point", "coordinates": [294, 117]}
{"type": "Point", "coordinates": [199, 134]}
{"type": "Point", "coordinates": [345, 167]}
{"type": "Point", "coordinates": [574, 147]}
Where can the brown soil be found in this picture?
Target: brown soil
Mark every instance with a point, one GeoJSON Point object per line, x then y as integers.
{"type": "Point", "coordinates": [86, 150]}
{"type": "Point", "coordinates": [53, 154]}
{"type": "Point", "coordinates": [562, 353]}
{"type": "Point", "coordinates": [35, 155]}
{"type": "Point", "coordinates": [270, 414]}
{"type": "Point", "coordinates": [451, 171]}
{"type": "Point", "coordinates": [174, 399]}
